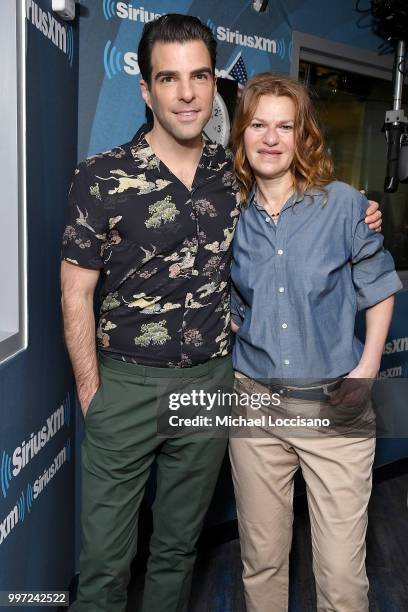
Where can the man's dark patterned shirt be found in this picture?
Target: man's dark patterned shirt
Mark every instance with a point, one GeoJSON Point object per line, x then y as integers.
{"type": "Point", "coordinates": [164, 252]}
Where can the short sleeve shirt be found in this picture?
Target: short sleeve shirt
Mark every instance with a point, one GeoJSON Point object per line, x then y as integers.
{"type": "Point", "coordinates": [164, 252]}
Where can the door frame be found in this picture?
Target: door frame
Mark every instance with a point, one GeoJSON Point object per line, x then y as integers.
{"type": "Point", "coordinates": [344, 57]}
{"type": "Point", "coordinates": [337, 55]}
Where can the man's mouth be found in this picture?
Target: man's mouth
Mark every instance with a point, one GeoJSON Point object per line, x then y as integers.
{"type": "Point", "coordinates": [187, 114]}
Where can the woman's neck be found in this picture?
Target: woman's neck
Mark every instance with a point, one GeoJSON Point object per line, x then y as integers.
{"type": "Point", "coordinates": [273, 193]}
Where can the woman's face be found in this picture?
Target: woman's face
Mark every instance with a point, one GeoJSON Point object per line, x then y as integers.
{"type": "Point", "coordinates": [269, 139]}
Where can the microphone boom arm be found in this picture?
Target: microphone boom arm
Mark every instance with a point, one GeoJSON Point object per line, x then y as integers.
{"type": "Point", "coordinates": [396, 126]}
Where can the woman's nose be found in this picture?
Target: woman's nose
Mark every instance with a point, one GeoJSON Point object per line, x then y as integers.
{"type": "Point", "coordinates": [271, 137]}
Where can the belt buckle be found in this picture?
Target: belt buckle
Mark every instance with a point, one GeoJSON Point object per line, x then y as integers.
{"type": "Point", "coordinates": [325, 390]}
{"type": "Point", "coordinates": [332, 386]}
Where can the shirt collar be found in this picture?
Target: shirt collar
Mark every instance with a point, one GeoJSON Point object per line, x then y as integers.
{"type": "Point", "coordinates": [213, 159]}
{"type": "Point", "coordinates": [141, 150]}
{"type": "Point", "coordinates": [252, 200]}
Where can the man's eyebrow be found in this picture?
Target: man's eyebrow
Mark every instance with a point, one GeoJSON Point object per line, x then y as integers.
{"type": "Point", "coordinates": [204, 69]}
{"type": "Point", "coordinates": [173, 73]}
{"type": "Point", "coordinates": [166, 73]}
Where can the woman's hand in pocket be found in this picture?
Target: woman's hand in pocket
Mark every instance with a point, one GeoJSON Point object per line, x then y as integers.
{"type": "Point", "coordinates": [355, 389]}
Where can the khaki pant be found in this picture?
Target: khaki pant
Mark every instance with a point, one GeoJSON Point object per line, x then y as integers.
{"type": "Point", "coordinates": [337, 471]}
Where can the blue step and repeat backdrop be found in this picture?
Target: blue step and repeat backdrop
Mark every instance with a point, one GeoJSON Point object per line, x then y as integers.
{"type": "Point", "coordinates": [37, 406]}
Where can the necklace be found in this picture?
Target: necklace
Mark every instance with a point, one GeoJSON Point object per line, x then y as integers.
{"type": "Point", "coordinates": [274, 215]}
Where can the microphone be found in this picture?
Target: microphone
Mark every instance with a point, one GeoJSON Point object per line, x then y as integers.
{"type": "Point", "coordinates": [403, 159]}
{"type": "Point", "coordinates": [393, 135]}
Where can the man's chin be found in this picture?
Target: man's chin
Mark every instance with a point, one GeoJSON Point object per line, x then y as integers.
{"type": "Point", "coordinates": [189, 131]}
{"type": "Point", "coordinates": [188, 135]}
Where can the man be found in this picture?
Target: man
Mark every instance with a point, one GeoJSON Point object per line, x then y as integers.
{"type": "Point", "coordinates": [156, 217]}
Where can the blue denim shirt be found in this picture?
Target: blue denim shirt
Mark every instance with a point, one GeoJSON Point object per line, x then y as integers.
{"type": "Point", "coordinates": [297, 285]}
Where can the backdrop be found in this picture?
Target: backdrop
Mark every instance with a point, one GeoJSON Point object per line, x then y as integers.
{"type": "Point", "coordinates": [36, 400]}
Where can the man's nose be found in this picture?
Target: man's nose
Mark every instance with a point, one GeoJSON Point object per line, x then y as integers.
{"type": "Point", "coordinates": [186, 90]}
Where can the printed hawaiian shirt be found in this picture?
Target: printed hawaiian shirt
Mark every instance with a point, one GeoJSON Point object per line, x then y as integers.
{"type": "Point", "coordinates": [164, 252]}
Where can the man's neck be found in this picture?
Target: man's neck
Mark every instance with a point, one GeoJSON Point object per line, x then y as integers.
{"type": "Point", "coordinates": [180, 157]}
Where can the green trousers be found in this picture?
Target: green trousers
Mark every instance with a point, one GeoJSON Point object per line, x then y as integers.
{"type": "Point", "coordinates": [121, 442]}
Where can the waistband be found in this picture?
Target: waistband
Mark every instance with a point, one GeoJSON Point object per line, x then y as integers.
{"type": "Point", "coordinates": [136, 369]}
{"type": "Point", "coordinates": [313, 392]}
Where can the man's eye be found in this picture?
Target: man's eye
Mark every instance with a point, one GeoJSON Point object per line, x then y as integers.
{"type": "Point", "coordinates": [167, 79]}
{"type": "Point", "coordinates": [202, 77]}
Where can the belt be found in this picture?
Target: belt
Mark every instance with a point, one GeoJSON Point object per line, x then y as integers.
{"type": "Point", "coordinates": [319, 393]}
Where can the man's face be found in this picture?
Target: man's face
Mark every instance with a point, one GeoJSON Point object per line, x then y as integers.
{"type": "Point", "coordinates": [182, 88]}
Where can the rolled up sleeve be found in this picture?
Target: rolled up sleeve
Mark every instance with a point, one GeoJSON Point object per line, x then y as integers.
{"type": "Point", "coordinates": [373, 269]}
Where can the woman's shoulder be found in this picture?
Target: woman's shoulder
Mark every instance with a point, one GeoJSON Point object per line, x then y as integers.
{"type": "Point", "coordinates": [345, 199]}
{"type": "Point", "coordinates": [341, 201]}
{"type": "Point", "coordinates": [339, 189]}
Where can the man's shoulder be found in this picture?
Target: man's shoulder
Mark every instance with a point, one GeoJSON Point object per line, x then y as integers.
{"type": "Point", "coordinates": [102, 162]}
{"type": "Point", "coordinates": [117, 158]}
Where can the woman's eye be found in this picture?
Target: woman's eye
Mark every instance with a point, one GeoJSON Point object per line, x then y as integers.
{"type": "Point", "coordinates": [287, 128]}
{"type": "Point", "coordinates": [256, 125]}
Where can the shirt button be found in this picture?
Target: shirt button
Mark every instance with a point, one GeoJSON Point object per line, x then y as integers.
{"type": "Point", "coordinates": [242, 308]}
{"type": "Point", "coordinates": [280, 252]}
{"type": "Point", "coordinates": [281, 289]}
{"type": "Point", "coordinates": [286, 362]}
{"type": "Point", "coordinates": [284, 325]}
{"type": "Point", "coordinates": [267, 219]}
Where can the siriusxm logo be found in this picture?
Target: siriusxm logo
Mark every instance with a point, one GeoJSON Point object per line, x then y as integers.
{"type": "Point", "coordinates": [42, 481]}
{"type": "Point", "coordinates": [123, 10]}
{"type": "Point", "coordinates": [115, 61]}
{"type": "Point", "coordinates": [28, 449]}
{"type": "Point", "coordinates": [235, 37]}
{"type": "Point", "coordinates": [25, 502]}
{"type": "Point", "coordinates": [14, 517]}
{"type": "Point", "coordinates": [398, 345]}
{"type": "Point", "coordinates": [395, 372]}
{"type": "Point", "coordinates": [62, 36]}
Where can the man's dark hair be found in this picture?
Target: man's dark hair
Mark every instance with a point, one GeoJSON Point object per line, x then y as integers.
{"type": "Point", "coordinates": [172, 28]}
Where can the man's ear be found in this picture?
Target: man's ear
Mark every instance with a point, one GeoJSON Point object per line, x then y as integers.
{"type": "Point", "coordinates": [144, 90]}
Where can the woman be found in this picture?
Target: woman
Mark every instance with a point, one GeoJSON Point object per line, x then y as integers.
{"type": "Point", "coordinates": [303, 263]}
